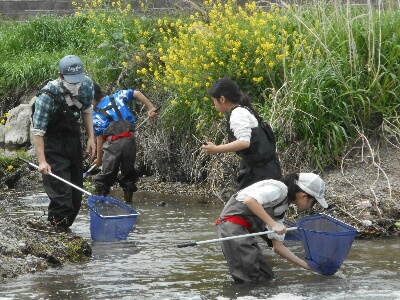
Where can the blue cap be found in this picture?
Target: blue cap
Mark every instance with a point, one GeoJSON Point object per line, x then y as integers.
{"type": "Point", "coordinates": [71, 68]}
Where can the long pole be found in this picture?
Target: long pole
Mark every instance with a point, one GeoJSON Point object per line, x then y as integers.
{"type": "Point", "coordinates": [55, 176]}
{"type": "Point", "coordinates": [231, 238]}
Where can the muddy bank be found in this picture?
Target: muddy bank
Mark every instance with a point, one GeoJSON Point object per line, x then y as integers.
{"type": "Point", "coordinates": [363, 191]}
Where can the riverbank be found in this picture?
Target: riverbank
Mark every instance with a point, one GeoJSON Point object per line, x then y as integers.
{"type": "Point", "coordinates": [364, 191]}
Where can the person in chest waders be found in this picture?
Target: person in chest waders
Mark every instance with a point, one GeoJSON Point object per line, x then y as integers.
{"type": "Point", "coordinates": [260, 207]}
{"type": "Point", "coordinates": [248, 135]}
{"type": "Point", "coordinates": [114, 126]}
{"type": "Point", "coordinates": [57, 141]}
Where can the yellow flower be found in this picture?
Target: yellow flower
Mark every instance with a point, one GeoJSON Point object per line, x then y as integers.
{"type": "Point", "coordinates": [124, 64]}
{"type": "Point", "coordinates": [174, 102]}
{"type": "Point", "coordinates": [8, 127]}
{"type": "Point", "coordinates": [10, 167]}
{"type": "Point", "coordinates": [7, 114]}
{"type": "Point", "coordinates": [3, 122]}
{"type": "Point", "coordinates": [93, 31]}
{"type": "Point", "coordinates": [143, 86]}
{"type": "Point", "coordinates": [258, 79]}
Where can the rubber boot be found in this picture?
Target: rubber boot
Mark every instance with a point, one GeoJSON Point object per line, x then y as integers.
{"type": "Point", "coordinates": [128, 195]}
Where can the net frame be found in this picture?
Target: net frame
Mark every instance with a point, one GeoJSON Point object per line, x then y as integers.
{"type": "Point", "coordinates": [105, 227]}
{"type": "Point", "coordinates": [326, 241]}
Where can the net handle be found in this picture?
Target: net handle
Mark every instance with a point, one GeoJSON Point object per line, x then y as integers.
{"type": "Point", "coordinates": [232, 237]}
{"type": "Point", "coordinates": [55, 176]}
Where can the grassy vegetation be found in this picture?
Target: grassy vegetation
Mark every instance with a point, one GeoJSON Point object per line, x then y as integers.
{"type": "Point", "coordinates": [321, 74]}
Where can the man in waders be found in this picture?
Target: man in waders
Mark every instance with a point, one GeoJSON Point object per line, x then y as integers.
{"type": "Point", "coordinates": [57, 140]}
{"type": "Point", "coordinates": [114, 125]}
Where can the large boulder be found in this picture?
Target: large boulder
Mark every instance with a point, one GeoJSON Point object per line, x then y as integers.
{"type": "Point", "coordinates": [17, 127]}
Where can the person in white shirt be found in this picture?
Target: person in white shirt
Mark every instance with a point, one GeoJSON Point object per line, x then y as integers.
{"type": "Point", "coordinates": [248, 135]}
{"type": "Point", "coordinates": [261, 207]}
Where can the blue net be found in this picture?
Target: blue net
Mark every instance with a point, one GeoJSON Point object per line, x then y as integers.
{"type": "Point", "coordinates": [110, 220]}
{"type": "Point", "coordinates": [327, 242]}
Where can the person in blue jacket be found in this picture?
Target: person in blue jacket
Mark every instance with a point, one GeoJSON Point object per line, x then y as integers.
{"type": "Point", "coordinates": [114, 127]}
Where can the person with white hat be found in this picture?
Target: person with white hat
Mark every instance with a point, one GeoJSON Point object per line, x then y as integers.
{"type": "Point", "coordinates": [260, 207]}
{"type": "Point", "coordinates": [56, 131]}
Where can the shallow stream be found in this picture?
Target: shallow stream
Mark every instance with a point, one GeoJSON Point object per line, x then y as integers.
{"type": "Point", "coordinates": [148, 264]}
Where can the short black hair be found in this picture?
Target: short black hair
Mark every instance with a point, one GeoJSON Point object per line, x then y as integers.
{"type": "Point", "coordinates": [98, 92]}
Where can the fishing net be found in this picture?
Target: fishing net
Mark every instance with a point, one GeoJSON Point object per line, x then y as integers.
{"type": "Point", "coordinates": [110, 220]}
{"type": "Point", "coordinates": [327, 242]}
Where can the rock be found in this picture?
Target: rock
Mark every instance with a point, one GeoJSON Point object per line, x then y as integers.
{"type": "Point", "coordinates": [17, 126]}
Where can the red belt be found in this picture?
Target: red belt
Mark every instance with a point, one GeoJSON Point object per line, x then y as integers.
{"type": "Point", "coordinates": [116, 137]}
{"type": "Point", "coordinates": [234, 219]}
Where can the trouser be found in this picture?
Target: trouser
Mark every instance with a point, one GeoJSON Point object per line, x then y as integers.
{"type": "Point", "coordinates": [118, 155]}
{"type": "Point", "coordinates": [252, 174]}
{"type": "Point", "coordinates": [63, 153]}
{"type": "Point", "coordinates": [245, 260]}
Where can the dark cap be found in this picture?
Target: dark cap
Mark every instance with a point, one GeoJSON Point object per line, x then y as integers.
{"type": "Point", "coordinates": [71, 68]}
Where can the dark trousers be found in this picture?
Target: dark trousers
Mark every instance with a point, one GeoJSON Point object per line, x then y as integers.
{"type": "Point", "coordinates": [245, 260]}
{"type": "Point", "coordinates": [118, 155]}
{"type": "Point", "coordinates": [64, 155]}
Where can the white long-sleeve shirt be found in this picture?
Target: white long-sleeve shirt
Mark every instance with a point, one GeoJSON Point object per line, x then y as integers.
{"type": "Point", "coordinates": [241, 122]}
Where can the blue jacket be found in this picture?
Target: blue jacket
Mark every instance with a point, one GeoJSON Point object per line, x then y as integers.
{"type": "Point", "coordinates": [122, 98]}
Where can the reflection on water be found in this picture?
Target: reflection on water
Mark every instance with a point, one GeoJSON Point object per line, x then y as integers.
{"type": "Point", "coordinates": [148, 265]}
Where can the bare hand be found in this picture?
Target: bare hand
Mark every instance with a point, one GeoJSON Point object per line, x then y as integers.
{"type": "Point", "coordinates": [279, 228]}
{"type": "Point", "coordinates": [97, 162]}
{"type": "Point", "coordinates": [44, 168]}
{"type": "Point", "coordinates": [91, 148]}
{"type": "Point", "coordinates": [209, 148]}
{"type": "Point", "coordinates": [152, 113]}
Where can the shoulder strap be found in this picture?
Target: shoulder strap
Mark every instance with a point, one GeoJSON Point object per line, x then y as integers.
{"type": "Point", "coordinates": [104, 111]}
{"type": "Point", "coordinates": [115, 107]}
{"type": "Point", "coordinates": [52, 95]}
{"type": "Point", "coordinates": [264, 126]}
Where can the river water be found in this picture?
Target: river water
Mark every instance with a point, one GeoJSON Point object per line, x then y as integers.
{"type": "Point", "coordinates": [149, 265]}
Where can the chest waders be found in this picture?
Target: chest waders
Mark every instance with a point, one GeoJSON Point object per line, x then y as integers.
{"type": "Point", "coordinates": [244, 256]}
{"type": "Point", "coordinates": [259, 161]}
{"type": "Point", "coordinates": [63, 151]}
{"type": "Point", "coordinates": [119, 154]}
